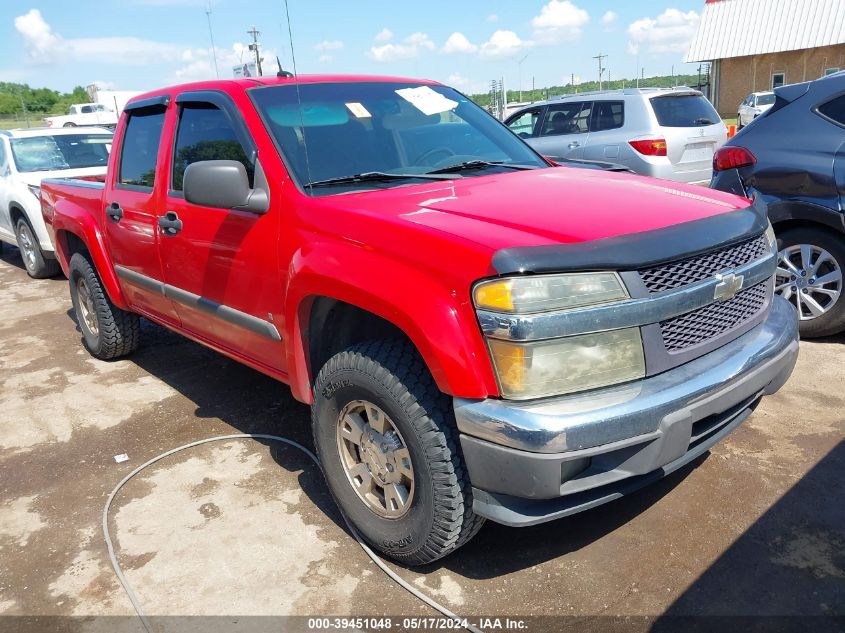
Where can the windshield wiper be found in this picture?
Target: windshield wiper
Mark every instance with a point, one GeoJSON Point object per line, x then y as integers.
{"type": "Point", "coordinates": [478, 164]}
{"type": "Point", "coordinates": [372, 176]}
{"type": "Point", "coordinates": [703, 121]}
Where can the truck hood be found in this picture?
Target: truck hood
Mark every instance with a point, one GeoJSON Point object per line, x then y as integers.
{"type": "Point", "coordinates": [547, 206]}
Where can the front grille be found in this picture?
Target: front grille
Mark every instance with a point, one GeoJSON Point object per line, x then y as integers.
{"type": "Point", "coordinates": [688, 271]}
{"type": "Point", "coordinates": [713, 320]}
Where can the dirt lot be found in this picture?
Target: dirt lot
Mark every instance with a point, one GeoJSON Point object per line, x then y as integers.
{"type": "Point", "coordinates": [756, 528]}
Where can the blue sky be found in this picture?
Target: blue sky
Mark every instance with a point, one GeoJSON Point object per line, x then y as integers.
{"type": "Point", "coordinates": [144, 44]}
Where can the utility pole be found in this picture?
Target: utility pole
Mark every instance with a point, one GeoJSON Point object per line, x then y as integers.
{"type": "Point", "coordinates": [600, 57]}
{"type": "Point", "coordinates": [255, 47]}
{"type": "Point", "coordinates": [211, 37]}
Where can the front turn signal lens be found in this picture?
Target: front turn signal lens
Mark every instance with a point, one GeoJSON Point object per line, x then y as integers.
{"type": "Point", "coordinates": [542, 293]}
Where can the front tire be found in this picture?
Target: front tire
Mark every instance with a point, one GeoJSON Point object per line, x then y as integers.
{"type": "Point", "coordinates": [69, 124]}
{"type": "Point", "coordinates": [107, 331]}
{"type": "Point", "coordinates": [37, 265]}
{"type": "Point", "coordinates": [385, 437]}
{"type": "Point", "coordinates": [809, 276]}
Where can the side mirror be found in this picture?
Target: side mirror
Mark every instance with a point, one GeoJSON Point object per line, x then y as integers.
{"type": "Point", "coordinates": [224, 184]}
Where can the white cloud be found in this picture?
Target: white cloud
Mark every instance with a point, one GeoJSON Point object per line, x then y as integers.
{"type": "Point", "coordinates": [669, 32]}
{"type": "Point", "coordinates": [469, 86]}
{"type": "Point", "coordinates": [609, 18]}
{"type": "Point", "coordinates": [410, 47]}
{"type": "Point", "coordinates": [492, 18]}
{"type": "Point", "coordinates": [198, 63]}
{"type": "Point", "coordinates": [503, 44]}
{"type": "Point", "coordinates": [325, 59]}
{"type": "Point", "coordinates": [328, 45]}
{"type": "Point", "coordinates": [42, 45]}
{"type": "Point", "coordinates": [559, 20]}
{"type": "Point", "coordinates": [458, 43]}
{"type": "Point", "coordinates": [385, 35]}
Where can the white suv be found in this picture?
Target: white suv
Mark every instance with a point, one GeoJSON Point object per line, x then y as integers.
{"type": "Point", "coordinates": [667, 133]}
{"type": "Point", "coordinates": [28, 156]}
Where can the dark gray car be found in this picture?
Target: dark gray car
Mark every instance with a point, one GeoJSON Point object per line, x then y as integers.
{"type": "Point", "coordinates": [793, 156]}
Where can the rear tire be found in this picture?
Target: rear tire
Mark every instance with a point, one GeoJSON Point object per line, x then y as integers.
{"type": "Point", "coordinates": [69, 124]}
{"type": "Point", "coordinates": [820, 255]}
{"type": "Point", "coordinates": [37, 265]}
{"type": "Point", "coordinates": [384, 389]}
{"type": "Point", "coordinates": [107, 331]}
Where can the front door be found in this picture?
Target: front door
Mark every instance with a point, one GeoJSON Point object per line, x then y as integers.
{"type": "Point", "coordinates": [221, 265]}
{"type": "Point", "coordinates": [130, 215]}
{"type": "Point", "coordinates": [565, 130]}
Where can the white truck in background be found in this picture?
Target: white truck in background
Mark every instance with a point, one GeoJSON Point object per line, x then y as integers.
{"type": "Point", "coordinates": [81, 114]}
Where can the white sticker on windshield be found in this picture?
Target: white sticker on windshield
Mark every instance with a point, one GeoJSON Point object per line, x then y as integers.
{"type": "Point", "coordinates": [358, 110]}
{"type": "Point", "coordinates": [427, 100]}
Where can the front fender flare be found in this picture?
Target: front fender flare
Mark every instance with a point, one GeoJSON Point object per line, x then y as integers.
{"type": "Point", "coordinates": [438, 319]}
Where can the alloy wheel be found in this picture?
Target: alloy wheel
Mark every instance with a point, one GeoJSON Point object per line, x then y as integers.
{"type": "Point", "coordinates": [86, 307]}
{"type": "Point", "coordinates": [810, 278]}
{"type": "Point", "coordinates": [375, 459]}
{"type": "Point", "coordinates": [26, 241]}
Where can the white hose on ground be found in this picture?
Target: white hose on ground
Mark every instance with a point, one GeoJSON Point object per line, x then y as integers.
{"type": "Point", "coordinates": [256, 436]}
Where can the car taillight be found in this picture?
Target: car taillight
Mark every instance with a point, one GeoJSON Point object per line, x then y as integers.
{"type": "Point", "coordinates": [729, 157]}
{"type": "Point", "coordinates": [649, 146]}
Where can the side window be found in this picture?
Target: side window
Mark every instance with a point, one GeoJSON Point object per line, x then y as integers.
{"type": "Point", "coordinates": [139, 148]}
{"type": "Point", "coordinates": [87, 109]}
{"type": "Point", "coordinates": [205, 133]}
{"type": "Point", "coordinates": [834, 109]}
{"type": "Point", "coordinates": [525, 124]}
{"type": "Point", "coordinates": [567, 118]}
{"type": "Point", "coordinates": [607, 115]}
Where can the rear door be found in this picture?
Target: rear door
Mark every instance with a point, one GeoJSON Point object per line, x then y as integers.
{"type": "Point", "coordinates": [693, 131]}
{"type": "Point", "coordinates": [221, 266]}
{"type": "Point", "coordinates": [565, 130]}
{"type": "Point", "coordinates": [131, 199]}
{"type": "Point", "coordinates": [606, 136]}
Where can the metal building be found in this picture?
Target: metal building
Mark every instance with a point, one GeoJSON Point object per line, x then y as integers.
{"type": "Point", "coordinates": [757, 45]}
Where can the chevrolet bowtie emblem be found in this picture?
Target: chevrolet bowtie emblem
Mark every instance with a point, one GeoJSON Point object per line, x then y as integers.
{"type": "Point", "coordinates": [729, 284]}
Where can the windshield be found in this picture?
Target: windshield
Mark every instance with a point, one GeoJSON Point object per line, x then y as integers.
{"type": "Point", "coordinates": [765, 99]}
{"type": "Point", "coordinates": [684, 111]}
{"type": "Point", "coordinates": [354, 128]}
{"type": "Point", "coordinates": [62, 151]}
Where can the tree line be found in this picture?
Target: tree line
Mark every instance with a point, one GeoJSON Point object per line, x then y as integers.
{"type": "Point", "coordinates": [21, 99]}
{"type": "Point", "coordinates": [540, 94]}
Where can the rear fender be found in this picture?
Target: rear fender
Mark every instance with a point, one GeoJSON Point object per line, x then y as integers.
{"type": "Point", "coordinates": [68, 218]}
{"type": "Point", "coordinates": [439, 320]}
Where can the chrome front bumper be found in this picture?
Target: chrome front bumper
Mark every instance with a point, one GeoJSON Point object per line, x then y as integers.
{"type": "Point", "coordinates": [566, 446]}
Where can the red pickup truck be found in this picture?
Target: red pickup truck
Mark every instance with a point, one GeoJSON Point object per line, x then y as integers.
{"type": "Point", "coordinates": [479, 333]}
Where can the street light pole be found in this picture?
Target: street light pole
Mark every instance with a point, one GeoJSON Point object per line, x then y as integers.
{"type": "Point", "coordinates": [519, 66]}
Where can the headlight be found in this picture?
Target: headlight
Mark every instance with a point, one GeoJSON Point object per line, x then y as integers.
{"type": "Point", "coordinates": [565, 365]}
{"type": "Point", "coordinates": [35, 190]}
{"type": "Point", "coordinates": [540, 293]}
{"type": "Point", "coordinates": [771, 238]}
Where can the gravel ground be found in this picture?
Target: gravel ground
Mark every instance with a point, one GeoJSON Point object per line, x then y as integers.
{"type": "Point", "coordinates": [235, 528]}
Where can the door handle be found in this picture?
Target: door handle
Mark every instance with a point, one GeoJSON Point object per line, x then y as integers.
{"type": "Point", "coordinates": [169, 223]}
{"type": "Point", "coordinates": [114, 212]}
{"type": "Point", "coordinates": [574, 144]}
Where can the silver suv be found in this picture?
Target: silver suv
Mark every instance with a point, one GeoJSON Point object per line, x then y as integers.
{"type": "Point", "coordinates": [662, 132]}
